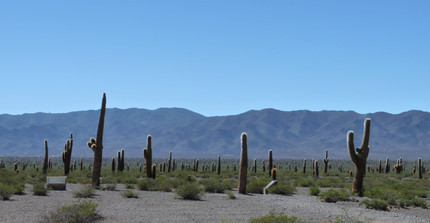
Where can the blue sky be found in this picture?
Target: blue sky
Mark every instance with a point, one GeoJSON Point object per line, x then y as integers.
{"type": "Point", "coordinates": [215, 57]}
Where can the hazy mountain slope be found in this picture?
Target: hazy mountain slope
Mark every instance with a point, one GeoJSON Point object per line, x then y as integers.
{"type": "Point", "coordinates": [295, 134]}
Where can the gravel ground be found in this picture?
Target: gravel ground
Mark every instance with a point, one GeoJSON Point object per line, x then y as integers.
{"type": "Point", "coordinates": [167, 207]}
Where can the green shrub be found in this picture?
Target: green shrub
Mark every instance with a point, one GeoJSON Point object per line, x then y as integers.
{"type": "Point", "coordinates": [190, 191]}
{"type": "Point", "coordinates": [416, 202]}
{"type": "Point", "coordinates": [129, 194]}
{"type": "Point", "coordinates": [333, 196]}
{"type": "Point", "coordinates": [213, 185]}
{"type": "Point", "coordinates": [230, 194]}
{"type": "Point", "coordinates": [273, 217]}
{"type": "Point", "coordinates": [256, 186]}
{"type": "Point", "coordinates": [129, 186]}
{"type": "Point", "coordinates": [314, 190]}
{"type": "Point", "coordinates": [18, 189]}
{"type": "Point", "coordinates": [376, 204]}
{"type": "Point", "coordinates": [330, 182]}
{"type": "Point", "coordinates": [304, 182]}
{"type": "Point", "coordinates": [86, 191]}
{"type": "Point", "coordinates": [109, 187]}
{"type": "Point", "coordinates": [147, 185]}
{"type": "Point", "coordinates": [39, 189]}
{"type": "Point", "coordinates": [283, 189]}
{"type": "Point", "coordinates": [423, 193]}
{"type": "Point", "coordinates": [6, 191]}
{"type": "Point", "coordinates": [80, 212]}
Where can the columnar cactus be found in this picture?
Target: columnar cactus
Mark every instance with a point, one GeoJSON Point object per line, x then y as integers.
{"type": "Point", "coordinates": [153, 168]}
{"type": "Point", "coordinates": [255, 165]}
{"type": "Point", "coordinates": [269, 168]}
{"type": "Point", "coordinates": [263, 167]}
{"type": "Point", "coordinates": [420, 169]}
{"type": "Point", "coordinates": [304, 166]}
{"type": "Point", "coordinates": [169, 162]}
{"type": "Point", "coordinates": [81, 165]}
{"type": "Point", "coordinates": [45, 161]}
{"type": "Point", "coordinates": [174, 165]}
{"type": "Point", "coordinates": [243, 171]}
{"type": "Point", "coordinates": [219, 165]}
{"type": "Point", "coordinates": [380, 166]}
{"type": "Point", "coordinates": [147, 154]}
{"type": "Point", "coordinates": [113, 164]}
{"type": "Point", "coordinates": [122, 160]}
{"type": "Point", "coordinates": [359, 157]}
{"type": "Point", "coordinates": [67, 154]}
{"type": "Point", "coordinates": [317, 171]}
{"type": "Point", "coordinates": [97, 145]}
{"type": "Point", "coordinates": [197, 165]}
{"type": "Point", "coordinates": [182, 165]}
{"type": "Point", "coordinates": [274, 174]}
{"type": "Point", "coordinates": [387, 165]}
{"type": "Point", "coordinates": [325, 160]}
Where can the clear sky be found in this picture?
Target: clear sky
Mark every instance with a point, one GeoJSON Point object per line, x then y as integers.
{"type": "Point", "coordinates": [215, 57]}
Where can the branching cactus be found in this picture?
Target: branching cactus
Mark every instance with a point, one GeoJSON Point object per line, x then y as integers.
{"type": "Point", "coordinates": [147, 154]}
{"type": "Point", "coordinates": [219, 165]}
{"type": "Point", "coordinates": [269, 168]}
{"type": "Point", "coordinates": [243, 169]}
{"type": "Point", "coordinates": [359, 157]}
{"type": "Point", "coordinates": [67, 154]}
{"type": "Point", "coordinates": [325, 160]}
{"type": "Point", "coordinates": [45, 161]}
{"type": "Point", "coordinates": [97, 145]}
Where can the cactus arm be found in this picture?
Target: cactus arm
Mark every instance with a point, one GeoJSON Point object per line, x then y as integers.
{"type": "Point", "coordinates": [351, 149]}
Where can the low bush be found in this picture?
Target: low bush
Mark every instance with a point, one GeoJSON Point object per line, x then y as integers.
{"type": "Point", "coordinates": [283, 189]}
{"type": "Point", "coordinates": [190, 191]}
{"type": "Point", "coordinates": [230, 194]}
{"type": "Point", "coordinates": [333, 196]}
{"type": "Point", "coordinates": [314, 190]}
{"type": "Point", "coordinates": [129, 194]}
{"type": "Point", "coordinates": [213, 185]}
{"type": "Point", "coordinates": [80, 212]}
{"type": "Point", "coordinates": [109, 187]}
{"type": "Point", "coordinates": [39, 189]}
{"type": "Point", "coordinates": [256, 186]}
{"type": "Point", "coordinates": [86, 191]}
{"type": "Point", "coordinates": [129, 186]}
{"type": "Point", "coordinates": [6, 191]}
{"type": "Point", "coordinates": [376, 204]}
{"type": "Point", "coordinates": [273, 217]}
{"type": "Point", "coordinates": [415, 202]}
{"type": "Point", "coordinates": [147, 185]}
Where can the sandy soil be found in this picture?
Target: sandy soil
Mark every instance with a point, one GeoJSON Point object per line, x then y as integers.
{"type": "Point", "coordinates": [168, 207]}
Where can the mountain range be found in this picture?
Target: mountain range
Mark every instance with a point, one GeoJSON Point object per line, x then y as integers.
{"type": "Point", "coordinates": [290, 134]}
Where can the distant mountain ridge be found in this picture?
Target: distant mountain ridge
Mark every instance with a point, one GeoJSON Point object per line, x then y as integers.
{"type": "Point", "coordinates": [290, 134]}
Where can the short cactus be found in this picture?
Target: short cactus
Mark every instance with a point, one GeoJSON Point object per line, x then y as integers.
{"type": "Point", "coordinates": [153, 168]}
{"type": "Point", "coordinates": [359, 157]}
{"type": "Point", "coordinates": [243, 169]}
{"type": "Point", "coordinates": [325, 160]}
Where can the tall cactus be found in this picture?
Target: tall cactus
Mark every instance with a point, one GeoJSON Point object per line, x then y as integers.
{"type": "Point", "coordinates": [255, 165]}
{"type": "Point", "coordinates": [97, 145]}
{"type": "Point", "coordinates": [359, 157]}
{"type": "Point", "coordinates": [67, 154]}
{"type": "Point", "coordinates": [169, 162]}
{"type": "Point", "coordinates": [325, 160]}
{"type": "Point", "coordinates": [420, 169]}
{"type": "Point", "coordinates": [387, 165]}
{"type": "Point", "coordinates": [147, 154]}
{"type": "Point", "coordinates": [113, 164]}
{"type": "Point", "coordinates": [45, 161]}
{"type": "Point", "coordinates": [219, 165]}
{"type": "Point", "coordinates": [122, 160]}
{"type": "Point", "coordinates": [119, 161]}
{"type": "Point", "coordinates": [269, 168]}
{"type": "Point", "coordinates": [304, 166]}
{"type": "Point", "coordinates": [317, 171]}
{"type": "Point", "coordinates": [243, 171]}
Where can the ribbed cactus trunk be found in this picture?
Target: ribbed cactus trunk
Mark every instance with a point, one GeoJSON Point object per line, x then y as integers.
{"type": "Point", "coordinates": [122, 160]}
{"type": "Point", "coordinates": [45, 161]}
{"type": "Point", "coordinates": [420, 169]}
{"type": "Point", "coordinates": [274, 174]}
{"type": "Point", "coordinates": [304, 166]}
{"type": "Point", "coordinates": [147, 154]}
{"type": "Point", "coordinates": [219, 165]}
{"type": "Point", "coordinates": [269, 168]}
{"type": "Point", "coordinates": [169, 167]}
{"type": "Point", "coordinates": [380, 166]}
{"type": "Point", "coordinates": [317, 171]}
{"type": "Point", "coordinates": [387, 165]}
{"type": "Point", "coordinates": [97, 145]}
{"type": "Point", "coordinates": [153, 169]}
{"type": "Point", "coordinates": [263, 166]}
{"type": "Point", "coordinates": [325, 160]}
{"type": "Point", "coordinates": [243, 169]}
{"type": "Point", "coordinates": [67, 154]}
{"type": "Point", "coordinates": [255, 165]}
{"type": "Point", "coordinates": [119, 161]}
{"type": "Point", "coordinates": [359, 157]}
{"type": "Point", "coordinates": [113, 164]}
